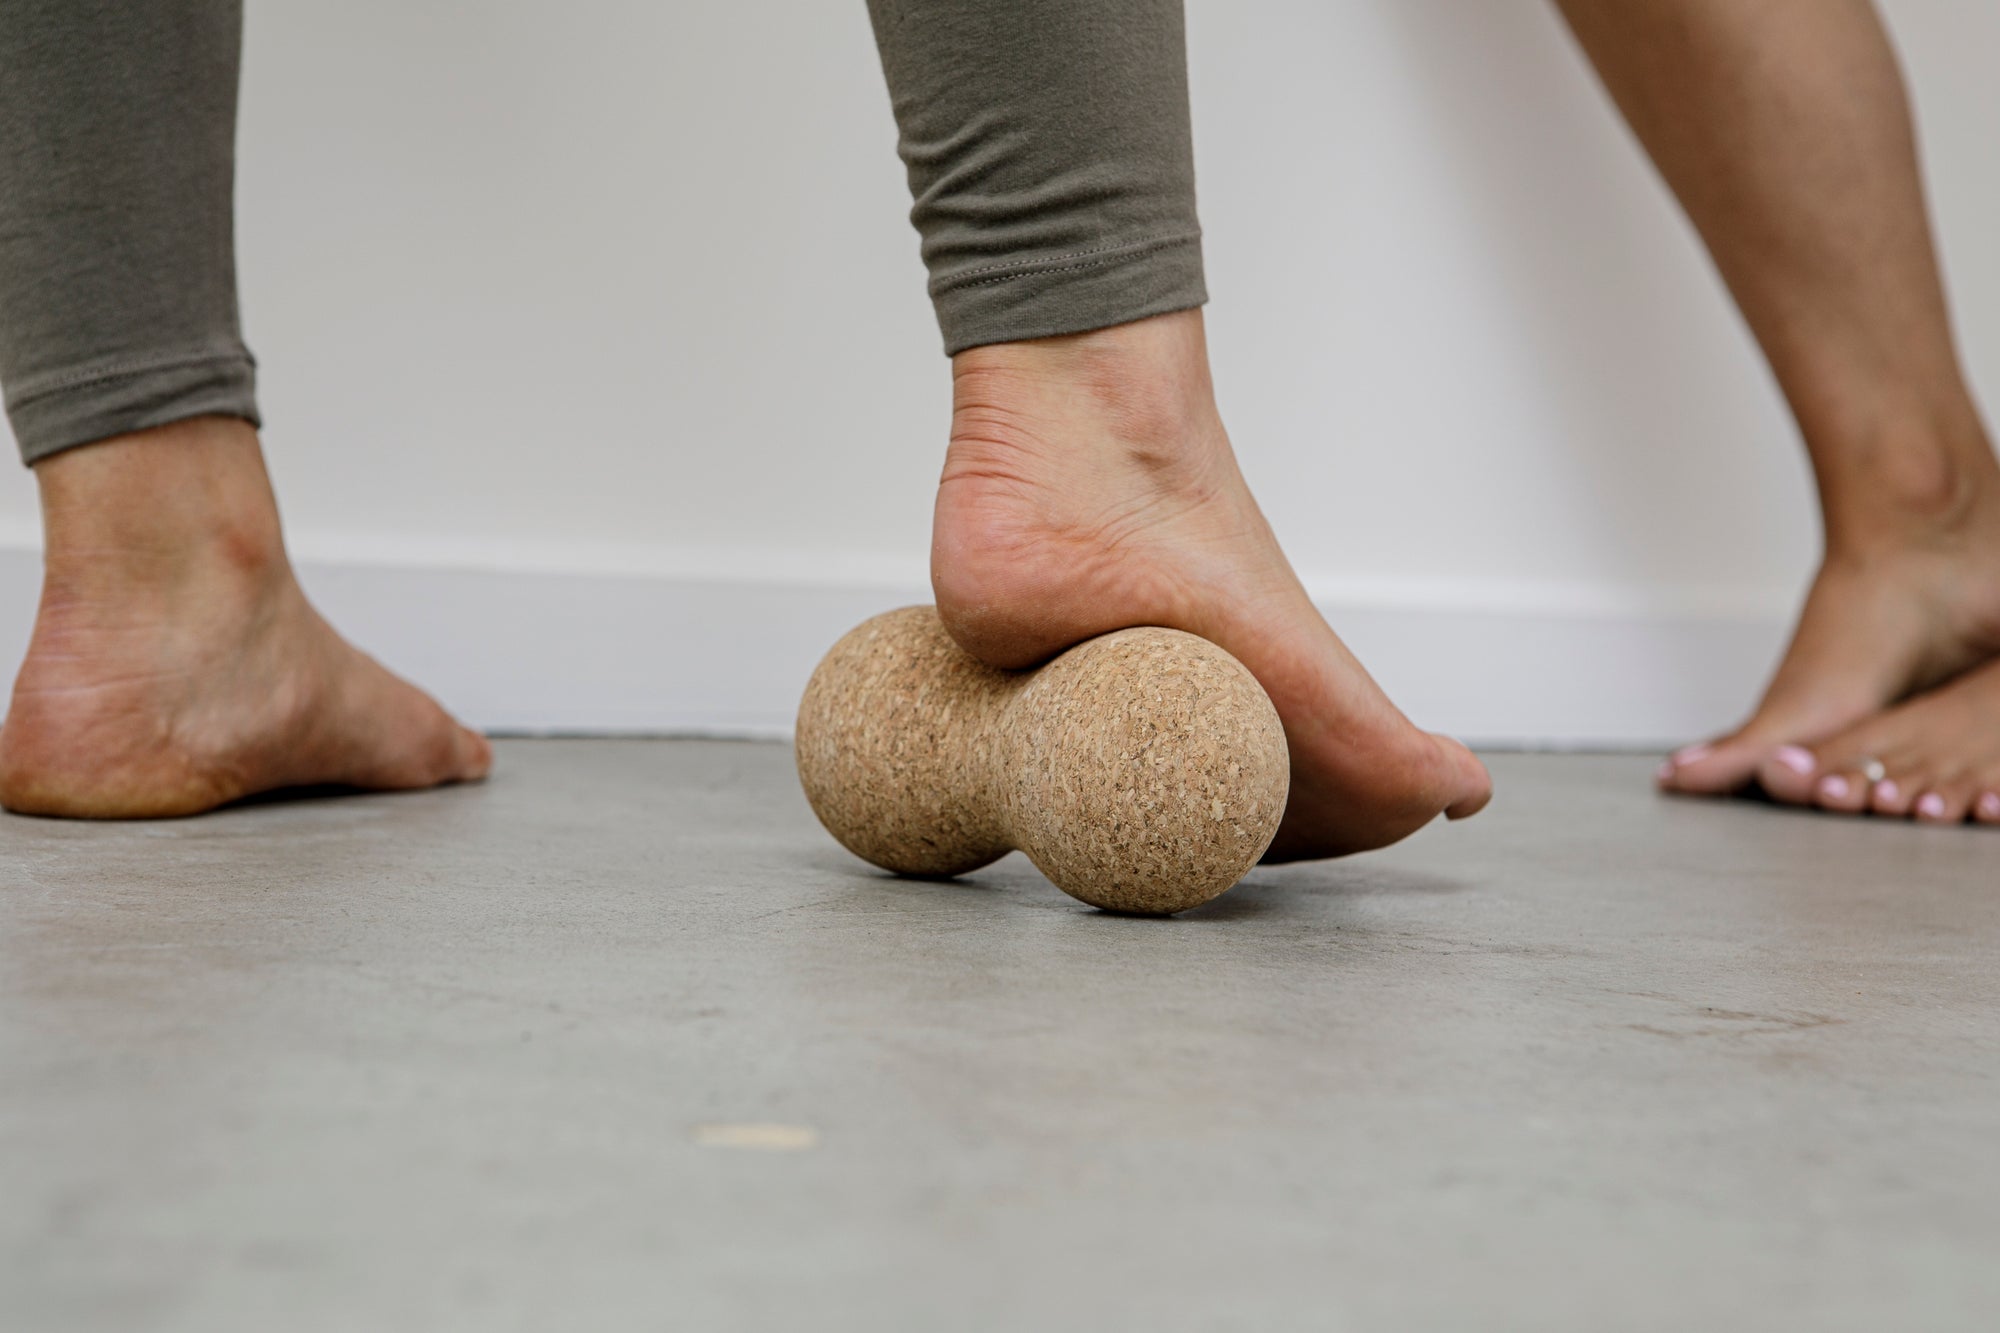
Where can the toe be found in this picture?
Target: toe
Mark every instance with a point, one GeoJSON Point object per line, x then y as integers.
{"type": "Point", "coordinates": [1934, 758]}
{"type": "Point", "coordinates": [1892, 796]}
{"type": "Point", "coordinates": [1943, 804]}
{"type": "Point", "coordinates": [1472, 783]}
{"type": "Point", "coordinates": [1790, 773]}
{"type": "Point", "coordinates": [1715, 767]}
{"type": "Point", "coordinates": [474, 758]}
{"type": "Point", "coordinates": [1844, 791]}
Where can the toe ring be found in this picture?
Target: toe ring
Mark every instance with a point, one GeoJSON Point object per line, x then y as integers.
{"type": "Point", "coordinates": [1873, 769]}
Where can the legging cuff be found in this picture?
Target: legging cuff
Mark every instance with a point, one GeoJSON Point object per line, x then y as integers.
{"type": "Point", "coordinates": [96, 402]}
{"type": "Point", "coordinates": [1069, 293]}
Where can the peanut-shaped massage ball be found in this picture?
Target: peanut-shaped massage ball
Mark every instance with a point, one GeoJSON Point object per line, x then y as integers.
{"type": "Point", "coordinates": [1143, 771]}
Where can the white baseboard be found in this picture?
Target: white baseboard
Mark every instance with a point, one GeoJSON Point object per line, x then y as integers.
{"type": "Point", "coordinates": [652, 651]}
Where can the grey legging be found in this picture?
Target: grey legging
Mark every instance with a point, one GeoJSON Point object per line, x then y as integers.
{"type": "Point", "coordinates": [1047, 145]}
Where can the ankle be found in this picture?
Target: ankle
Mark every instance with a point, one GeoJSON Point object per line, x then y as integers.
{"type": "Point", "coordinates": [1907, 488]}
{"type": "Point", "coordinates": [186, 502]}
{"type": "Point", "coordinates": [1137, 393]}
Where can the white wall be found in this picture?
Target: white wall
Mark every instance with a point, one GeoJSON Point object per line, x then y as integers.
{"type": "Point", "coordinates": [602, 390]}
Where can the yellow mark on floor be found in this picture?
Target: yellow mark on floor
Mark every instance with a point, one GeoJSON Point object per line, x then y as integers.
{"type": "Point", "coordinates": [759, 1138]}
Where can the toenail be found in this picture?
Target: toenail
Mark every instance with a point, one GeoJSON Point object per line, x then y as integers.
{"type": "Point", "coordinates": [1689, 754]}
{"type": "Point", "coordinates": [1796, 758]}
{"type": "Point", "coordinates": [1931, 805]}
{"type": "Point", "coordinates": [1886, 791]}
{"type": "Point", "coordinates": [1665, 771]}
{"type": "Point", "coordinates": [1989, 805]}
{"type": "Point", "coordinates": [1833, 787]}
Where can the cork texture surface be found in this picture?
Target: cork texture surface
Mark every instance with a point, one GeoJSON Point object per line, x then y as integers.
{"type": "Point", "coordinates": [1143, 771]}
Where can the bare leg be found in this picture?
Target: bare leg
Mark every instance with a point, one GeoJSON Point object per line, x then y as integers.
{"type": "Point", "coordinates": [1089, 485]}
{"type": "Point", "coordinates": [175, 664]}
{"type": "Point", "coordinates": [1783, 128]}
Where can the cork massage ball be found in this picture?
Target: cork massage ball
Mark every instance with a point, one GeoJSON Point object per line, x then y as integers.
{"type": "Point", "coordinates": [1143, 771]}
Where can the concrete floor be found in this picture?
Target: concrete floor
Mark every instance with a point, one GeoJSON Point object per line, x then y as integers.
{"type": "Point", "coordinates": [621, 1041]}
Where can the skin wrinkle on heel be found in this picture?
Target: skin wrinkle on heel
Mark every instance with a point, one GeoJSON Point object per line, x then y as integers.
{"type": "Point", "coordinates": [1142, 771]}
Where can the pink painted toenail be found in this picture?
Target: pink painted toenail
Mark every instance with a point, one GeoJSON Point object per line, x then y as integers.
{"type": "Point", "coordinates": [1796, 758]}
{"type": "Point", "coordinates": [1931, 805]}
{"type": "Point", "coordinates": [1989, 805]}
{"type": "Point", "coordinates": [1833, 787]}
{"type": "Point", "coordinates": [1886, 791]}
{"type": "Point", "coordinates": [1665, 772]}
{"type": "Point", "coordinates": [1690, 754]}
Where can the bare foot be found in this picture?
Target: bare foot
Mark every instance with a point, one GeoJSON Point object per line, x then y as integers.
{"type": "Point", "coordinates": [1935, 759]}
{"type": "Point", "coordinates": [1089, 486]}
{"type": "Point", "coordinates": [176, 665]}
{"type": "Point", "coordinates": [1909, 601]}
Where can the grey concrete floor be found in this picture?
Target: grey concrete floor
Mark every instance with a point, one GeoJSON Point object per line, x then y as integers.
{"type": "Point", "coordinates": [621, 1040]}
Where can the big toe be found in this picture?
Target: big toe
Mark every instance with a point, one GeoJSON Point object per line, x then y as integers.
{"type": "Point", "coordinates": [397, 737]}
{"type": "Point", "coordinates": [444, 751]}
{"type": "Point", "coordinates": [1792, 774]}
{"type": "Point", "coordinates": [1360, 800]}
{"type": "Point", "coordinates": [1725, 764]}
{"type": "Point", "coordinates": [472, 755]}
{"type": "Point", "coordinates": [1472, 784]}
